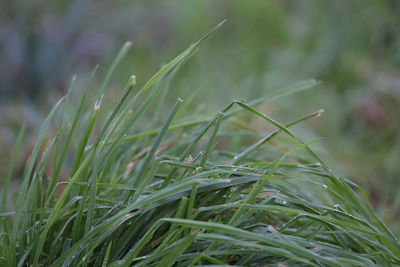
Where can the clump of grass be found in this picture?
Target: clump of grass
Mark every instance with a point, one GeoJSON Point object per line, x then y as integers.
{"type": "Point", "coordinates": [187, 193]}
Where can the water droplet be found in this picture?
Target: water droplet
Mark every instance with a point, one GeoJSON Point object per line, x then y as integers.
{"type": "Point", "coordinates": [283, 202]}
{"type": "Point", "coordinates": [336, 206]}
{"type": "Point", "coordinates": [325, 186]}
{"type": "Point", "coordinates": [235, 169]}
{"type": "Point", "coordinates": [235, 157]}
{"type": "Point", "coordinates": [124, 135]}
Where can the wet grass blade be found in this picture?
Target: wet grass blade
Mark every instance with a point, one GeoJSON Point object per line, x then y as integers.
{"type": "Point", "coordinates": [25, 183]}
{"type": "Point", "coordinates": [6, 185]}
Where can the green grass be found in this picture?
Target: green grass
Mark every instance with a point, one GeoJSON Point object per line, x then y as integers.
{"type": "Point", "coordinates": [197, 190]}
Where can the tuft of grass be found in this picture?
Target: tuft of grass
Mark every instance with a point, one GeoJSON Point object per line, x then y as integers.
{"type": "Point", "coordinates": [193, 191]}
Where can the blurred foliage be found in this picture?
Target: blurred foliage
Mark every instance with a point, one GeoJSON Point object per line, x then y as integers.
{"type": "Point", "coordinates": [352, 46]}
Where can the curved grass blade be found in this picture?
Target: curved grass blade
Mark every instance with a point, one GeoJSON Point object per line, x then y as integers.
{"type": "Point", "coordinates": [25, 183]}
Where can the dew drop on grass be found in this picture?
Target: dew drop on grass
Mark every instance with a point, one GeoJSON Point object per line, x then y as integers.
{"type": "Point", "coordinates": [124, 135]}
{"type": "Point", "coordinates": [336, 206]}
{"type": "Point", "coordinates": [235, 157]}
{"type": "Point", "coordinates": [283, 202]}
{"type": "Point", "coordinates": [325, 186]}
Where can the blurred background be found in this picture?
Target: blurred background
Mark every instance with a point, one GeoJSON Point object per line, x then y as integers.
{"type": "Point", "coordinates": [353, 47]}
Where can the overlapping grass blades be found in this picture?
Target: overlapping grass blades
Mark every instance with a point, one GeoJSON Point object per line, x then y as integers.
{"type": "Point", "coordinates": [175, 195]}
